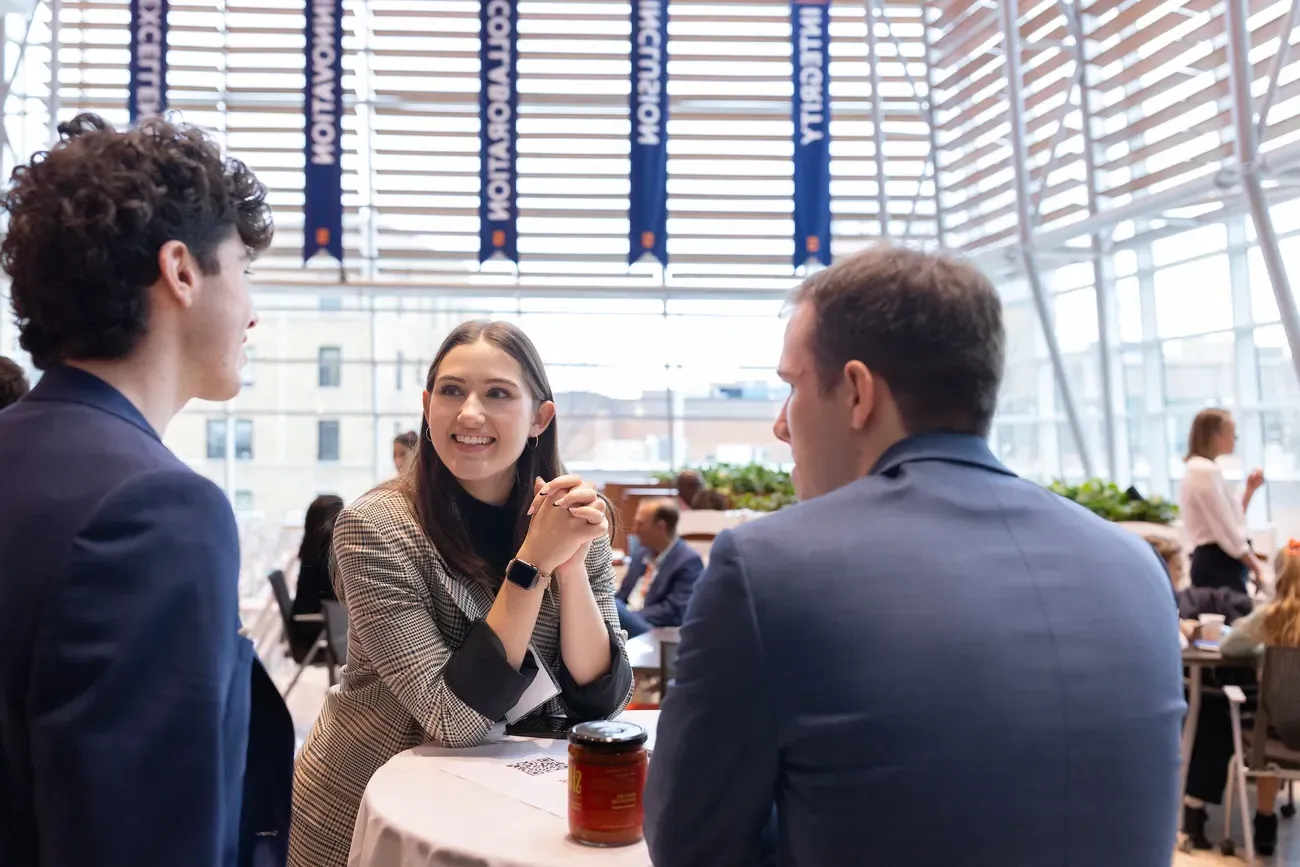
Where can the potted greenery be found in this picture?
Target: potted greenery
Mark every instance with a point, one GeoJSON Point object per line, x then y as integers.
{"type": "Point", "coordinates": [750, 486]}
{"type": "Point", "coordinates": [1107, 500]}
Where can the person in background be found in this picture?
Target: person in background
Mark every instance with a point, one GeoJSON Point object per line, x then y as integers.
{"type": "Point", "coordinates": [13, 382]}
{"type": "Point", "coordinates": [662, 574]}
{"type": "Point", "coordinates": [138, 726]}
{"type": "Point", "coordinates": [913, 620]}
{"type": "Point", "coordinates": [688, 484]}
{"type": "Point", "coordinates": [403, 445]}
{"type": "Point", "coordinates": [482, 571]}
{"type": "Point", "coordinates": [1214, 519]}
{"type": "Point", "coordinates": [1276, 622]}
{"type": "Point", "coordinates": [709, 500]}
{"type": "Point", "coordinates": [313, 572]}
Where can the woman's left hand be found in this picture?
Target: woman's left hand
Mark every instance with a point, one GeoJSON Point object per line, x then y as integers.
{"type": "Point", "coordinates": [582, 501]}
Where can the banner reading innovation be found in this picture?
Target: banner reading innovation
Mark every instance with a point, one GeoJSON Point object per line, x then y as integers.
{"type": "Point", "coordinates": [810, 44]}
{"type": "Point", "coordinates": [146, 94]}
{"type": "Point", "coordinates": [323, 96]}
{"type": "Point", "coordinates": [648, 107]}
{"type": "Point", "coordinates": [498, 104]}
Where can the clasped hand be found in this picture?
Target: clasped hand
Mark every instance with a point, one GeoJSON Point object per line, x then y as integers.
{"type": "Point", "coordinates": [567, 515]}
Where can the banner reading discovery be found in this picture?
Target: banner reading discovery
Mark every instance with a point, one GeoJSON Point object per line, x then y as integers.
{"type": "Point", "coordinates": [810, 38]}
{"type": "Point", "coordinates": [648, 202]}
{"type": "Point", "coordinates": [498, 104]}
{"type": "Point", "coordinates": [146, 94]}
{"type": "Point", "coordinates": [323, 209]}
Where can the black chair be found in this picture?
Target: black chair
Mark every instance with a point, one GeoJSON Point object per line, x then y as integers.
{"type": "Point", "coordinates": [319, 653]}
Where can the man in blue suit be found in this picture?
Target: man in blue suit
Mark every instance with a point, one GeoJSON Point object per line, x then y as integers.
{"type": "Point", "coordinates": [662, 573]}
{"type": "Point", "coordinates": [136, 727]}
{"type": "Point", "coordinates": [928, 661]}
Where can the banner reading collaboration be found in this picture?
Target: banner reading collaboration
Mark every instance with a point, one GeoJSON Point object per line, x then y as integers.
{"type": "Point", "coordinates": [500, 130]}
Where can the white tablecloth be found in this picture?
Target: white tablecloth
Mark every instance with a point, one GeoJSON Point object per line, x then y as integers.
{"type": "Point", "coordinates": [430, 807]}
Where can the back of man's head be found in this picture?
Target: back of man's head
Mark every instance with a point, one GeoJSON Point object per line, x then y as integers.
{"type": "Point", "coordinates": [13, 382]}
{"type": "Point", "coordinates": [929, 325]}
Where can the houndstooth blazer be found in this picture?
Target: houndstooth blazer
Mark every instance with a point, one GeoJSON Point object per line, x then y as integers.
{"type": "Point", "coordinates": [406, 616]}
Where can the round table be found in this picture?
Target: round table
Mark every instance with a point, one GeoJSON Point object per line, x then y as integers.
{"type": "Point", "coordinates": [435, 806]}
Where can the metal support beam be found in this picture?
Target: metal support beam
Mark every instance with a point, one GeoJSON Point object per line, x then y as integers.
{"type": "Point", "coordinates": [877, 116]}
{"type": "Point", "coordinates": [1247, 149]}
{"type": "Point", "coordinates": [1275, 73]}
{"type": "Point", "coordinates": [54, 107]}
{"type": "Point", "coordinates": [1102, 278]}
{"type": "Point", "coordinates": [1020, 157]}
{"type": "Point", "coordinates": [939, 228]}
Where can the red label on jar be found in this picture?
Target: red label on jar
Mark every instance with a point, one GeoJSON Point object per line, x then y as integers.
{"type": "Point", "coordinates": [606, 798]}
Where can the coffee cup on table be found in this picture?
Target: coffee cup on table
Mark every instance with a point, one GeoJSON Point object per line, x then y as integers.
{"type": "Point", "coordinates": [1211, 626]}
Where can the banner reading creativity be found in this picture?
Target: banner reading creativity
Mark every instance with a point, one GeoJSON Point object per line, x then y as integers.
{"type": "Point", "coordinates": [648, 106]}
{"type": "Point", "coordinates": [498, 104]}
{"type": "Point", "coordinates": [146, 94]}
{"type": "Point", "coordinates": [323, 208]}
{"type": "Point", "coordinates": [810, 38]}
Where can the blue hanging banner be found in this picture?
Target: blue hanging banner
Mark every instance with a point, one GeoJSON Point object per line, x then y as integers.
{"type": "Point", "coordinates": [146, 93]}
{"type": "Point", "coordinates": [323, 96]}
{"type": "Point", "coordinates": [498, 105]}
{"type": "Point", "coordinates": [648, 109]}
{"type": "Point", "coordinates": [810, 45]}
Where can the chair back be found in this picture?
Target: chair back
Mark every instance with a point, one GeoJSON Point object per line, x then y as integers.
{"type": "Point", "coordinates": [336, 629]}
{"type": "Point", "coordinates": [667, 663]}
{"type": "Point", "coordinates": [280, 589]}
{"type": "Point", "coordinates": [1279, 702]}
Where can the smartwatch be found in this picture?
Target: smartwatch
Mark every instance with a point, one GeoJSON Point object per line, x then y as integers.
{"type": "Point", "coordinates": [523, 574]}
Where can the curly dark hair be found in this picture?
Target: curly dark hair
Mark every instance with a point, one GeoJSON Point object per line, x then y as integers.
{"type": "Point", "coordinates": [13, 382]}
{"type": "Point", "coordinates": [88, 217]}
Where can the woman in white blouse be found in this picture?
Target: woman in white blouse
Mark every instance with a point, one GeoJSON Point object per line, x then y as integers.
{"type": "Point", "coordinates": [1214, 519]}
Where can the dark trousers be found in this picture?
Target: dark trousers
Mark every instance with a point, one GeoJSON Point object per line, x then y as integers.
{"type": "Point", "coordinates": [631, 622]}
{"type": "Point", "coordinates": [1207, 773]}
{"type": "Point", "coordinates": [1212, 567]}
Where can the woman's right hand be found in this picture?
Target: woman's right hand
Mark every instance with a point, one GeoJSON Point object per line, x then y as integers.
{"type": "Point", "coordinates": [561, 522]}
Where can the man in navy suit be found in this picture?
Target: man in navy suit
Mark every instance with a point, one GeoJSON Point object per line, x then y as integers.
{"type": "Point", "coordinates": [927, 661]}
{"type": "Point", "coordinates": [662, 573]}
{"type": "Point", "coordinates": [136, 727]}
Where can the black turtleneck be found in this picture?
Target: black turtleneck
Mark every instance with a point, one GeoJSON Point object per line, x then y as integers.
{"type": "Point", "coordinates": [491, 530]}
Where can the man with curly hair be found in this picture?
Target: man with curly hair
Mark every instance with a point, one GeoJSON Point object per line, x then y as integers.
{"type": "Point", "coordinates": [13, 382]}
{"type": "Point", "coordinates": [136, 727]}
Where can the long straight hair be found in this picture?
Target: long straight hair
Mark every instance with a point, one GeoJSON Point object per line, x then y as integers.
{"type": "Point", "coordinates": [431, 487]}
{"type": "Point", "coordinates": [318, 529]}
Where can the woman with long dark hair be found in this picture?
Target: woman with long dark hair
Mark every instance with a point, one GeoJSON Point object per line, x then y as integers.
{"type": "Point", "coordinates": [1214, 518]}
{"type": "Point", "coordinates": [479, 586]}
{"type": "Point", "coordinates": [313, 571]}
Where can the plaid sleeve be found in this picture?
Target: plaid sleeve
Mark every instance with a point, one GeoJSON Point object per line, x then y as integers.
{"type": "Point", "coordinates": [389, 609]}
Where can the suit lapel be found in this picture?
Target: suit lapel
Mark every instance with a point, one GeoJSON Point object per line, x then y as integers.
{"type": "Point", "coordinates": [666, 568]}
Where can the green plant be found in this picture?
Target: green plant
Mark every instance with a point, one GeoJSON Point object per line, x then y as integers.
{"type": "Point", "coordinates": [1107, 500]}
{"type": "Point", "coordinates": [749, 486]}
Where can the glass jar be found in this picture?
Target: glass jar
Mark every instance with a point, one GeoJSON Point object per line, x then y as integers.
{"type": "Point", "coordinates": [607, 767]}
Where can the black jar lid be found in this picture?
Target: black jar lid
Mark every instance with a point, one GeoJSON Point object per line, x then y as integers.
{"type": "Point", "coordinates": [610, 735]}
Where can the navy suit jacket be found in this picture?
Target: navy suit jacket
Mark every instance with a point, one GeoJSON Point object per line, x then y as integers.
{"type": "Point", "coordinates": [665, 602]}
{"type": "Point", "coordinates": [133, 715]}
{"type": "Point", "coordinates": [937, 664]}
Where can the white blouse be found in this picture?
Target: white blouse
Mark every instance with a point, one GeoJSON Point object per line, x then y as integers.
{"type": "Point", "coordinates": [1211, 511]}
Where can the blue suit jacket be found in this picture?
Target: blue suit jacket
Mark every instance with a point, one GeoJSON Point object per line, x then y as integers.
{"type": "Point", "coordinates": [126, 692]}
{"type": "Point", "coordinates": [665, 603]}
{"type": "Point", "coordinates": [937, 664]}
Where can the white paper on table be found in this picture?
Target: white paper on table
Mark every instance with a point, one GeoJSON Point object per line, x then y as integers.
{"type": "Point", "coordinates": [538, 779]}
{"type": "Point", "coordinates": [539, 692]}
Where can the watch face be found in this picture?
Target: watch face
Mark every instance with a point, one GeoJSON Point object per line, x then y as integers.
{"type": "Point", "coordinates": [521, 573]}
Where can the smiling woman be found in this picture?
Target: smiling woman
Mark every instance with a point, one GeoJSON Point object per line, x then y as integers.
{"type": "Point", "coordinates": [479, 586]}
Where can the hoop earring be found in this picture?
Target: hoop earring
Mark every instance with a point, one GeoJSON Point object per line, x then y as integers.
{"type": "Point", "coordinates": [535, 441]}
{"type": "Point", "coordinates": [428, 434]}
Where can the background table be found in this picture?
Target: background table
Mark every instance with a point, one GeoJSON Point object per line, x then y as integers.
{"type": "Point", "coordinates": [417, 813]}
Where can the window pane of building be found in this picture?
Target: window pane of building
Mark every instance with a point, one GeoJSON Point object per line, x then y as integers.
{"type": "Point", "coordinates": [330, 365]}
{"type": "Point", "coordinates": [327, 440]}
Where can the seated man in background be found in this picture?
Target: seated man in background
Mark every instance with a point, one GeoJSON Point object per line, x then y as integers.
{"type": "Point", "coordinates": [928, 661]}
{"type": "Point", "coordinates": [13, 382]}
{"type": "Point", "coordinates": [662, 573]}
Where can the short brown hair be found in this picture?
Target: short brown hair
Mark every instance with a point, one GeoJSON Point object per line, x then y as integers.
{"type": "Point", "coordinates": [1207, 425]}
{"type": "Point", "coordinates": [88, 217]}
{"type": "Point", "coordinates": [665, 510]}
{"type": "Point", "coordinates": [929, 325]}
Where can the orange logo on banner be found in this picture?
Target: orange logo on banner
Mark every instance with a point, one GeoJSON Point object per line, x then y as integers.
{"type": "Point", "coordinates": [812, 243]}
{"type": "Point", "coordinates": [498, 238]}
{"type": "Point", "coordinates": [323, 237]}
{"type": "Point", "coordinates": [647, 240]}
